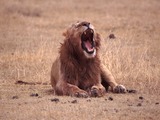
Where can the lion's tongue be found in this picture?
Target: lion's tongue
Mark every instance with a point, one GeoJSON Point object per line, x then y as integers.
{"type": "Point", "coordinates": [89, 46]}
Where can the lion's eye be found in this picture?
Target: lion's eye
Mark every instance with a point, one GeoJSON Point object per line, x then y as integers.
{"type": "Point", "coordinates": [86, 24]}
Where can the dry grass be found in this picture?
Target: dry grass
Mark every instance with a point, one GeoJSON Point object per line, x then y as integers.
{"type": "Point", "coordinates": [29, 65]}
{"type": "Point", "coordinates": [130, 64]}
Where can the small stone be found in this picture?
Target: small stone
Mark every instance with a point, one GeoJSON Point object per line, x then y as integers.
{"type": "Point", "coordinates": [157, 103]}
{"type": "Point", "coordinates": [112, 36]}
{"type": "Point", "coordinates": [15, 97]}
{"type": "Point", "coordinates": [55, 100]}
{"type": "Point", "coordinates": [141, 98]}
{"type": "Point", "coordinates": [74, 101]}
{"type": "Point", "coordinates": [110, 98]}
{"type": "Point", "coordinates": [34, 95]}
{"type": "Point", "coordinates": [139, 104]}
{"type": "Point", "coordinates": [131, 91]}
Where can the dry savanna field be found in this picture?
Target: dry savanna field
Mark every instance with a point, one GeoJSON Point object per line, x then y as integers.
{"type": "Point", "coordinates": [30, 37]}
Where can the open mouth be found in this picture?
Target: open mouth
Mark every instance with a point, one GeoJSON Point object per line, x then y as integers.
{"type": "Point", "coordinates": [88, 44]}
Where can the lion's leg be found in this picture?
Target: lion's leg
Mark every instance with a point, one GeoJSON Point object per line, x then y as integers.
{"type": "Point", "coordinates": [108, 80]}
{"type": "Point", "coordinates": [69, 89]}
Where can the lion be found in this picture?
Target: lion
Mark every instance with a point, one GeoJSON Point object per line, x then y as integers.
{"type": "Point", "coordinates": [78, 71]}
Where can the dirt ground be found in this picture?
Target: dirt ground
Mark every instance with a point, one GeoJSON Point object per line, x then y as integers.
{"type": "Point", "coordinates": [30, 35]}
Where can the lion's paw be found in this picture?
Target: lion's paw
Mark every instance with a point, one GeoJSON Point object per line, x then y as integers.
{"type": "Point", "coordinates": [119, 89]}
{"type": "Point", "coordinates": [97, 91]}
{"type": "Point", "coordinates": [81, 94]}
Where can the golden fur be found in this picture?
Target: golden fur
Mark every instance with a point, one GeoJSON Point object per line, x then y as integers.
{"type": "Point", "coordinates": [78, 70]}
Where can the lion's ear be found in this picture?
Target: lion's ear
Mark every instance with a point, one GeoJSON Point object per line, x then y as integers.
{"type": "Point", "coordinates": [64, 33]}
{"type": "Point", "coordinates": [68, 32]}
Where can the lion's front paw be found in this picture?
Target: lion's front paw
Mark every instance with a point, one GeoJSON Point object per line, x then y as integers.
{"type": "Point", "coordinates": [97, 91]}
{"type": "Point", "coordinates": [81, 94]}
{"type": "Point", "coordinates": [119, 89]}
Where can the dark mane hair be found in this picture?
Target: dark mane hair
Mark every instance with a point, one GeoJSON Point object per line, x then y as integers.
{"type": "Point", "coordinates": [76, 67]}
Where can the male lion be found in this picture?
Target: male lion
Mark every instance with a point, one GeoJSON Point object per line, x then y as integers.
{"type": "Point", "coordinates": [78, 70]}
